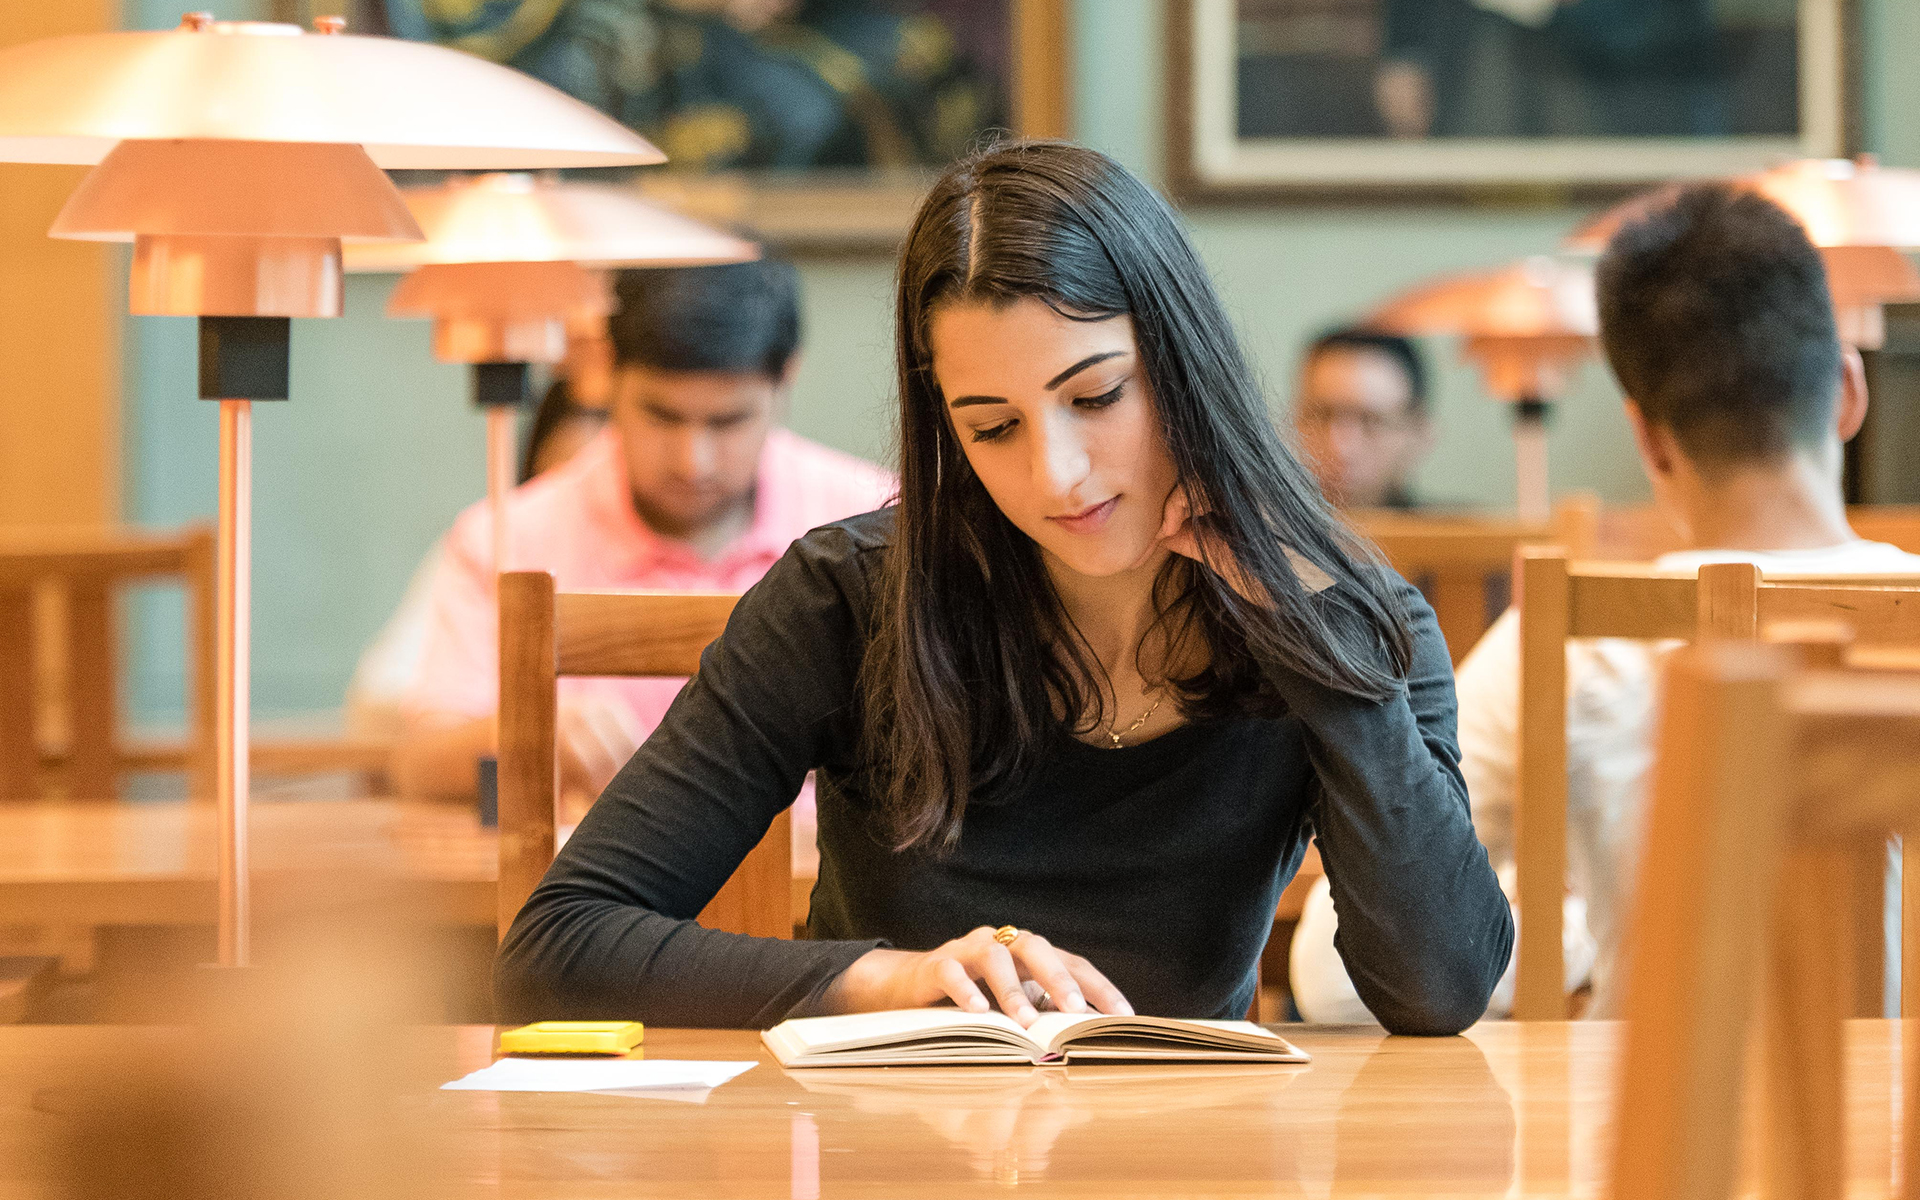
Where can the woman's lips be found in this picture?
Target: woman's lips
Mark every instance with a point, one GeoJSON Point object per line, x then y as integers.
{"type": "Point", "coordinates": [1087, 520]}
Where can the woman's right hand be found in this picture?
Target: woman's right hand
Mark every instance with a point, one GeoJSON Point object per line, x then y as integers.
{"type": "Point", "coordinates": [969, 970]}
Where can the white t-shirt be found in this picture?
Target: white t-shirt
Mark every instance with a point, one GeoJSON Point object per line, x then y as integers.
{"type": "Point", "coordinates": [1611, 693]}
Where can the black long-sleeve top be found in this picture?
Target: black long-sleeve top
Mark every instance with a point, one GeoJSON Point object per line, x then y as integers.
{"type": "Point", "coordinates": [1160, 862]}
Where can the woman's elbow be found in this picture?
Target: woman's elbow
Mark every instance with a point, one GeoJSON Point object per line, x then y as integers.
{"type": "Point", "coordinates": [1456, 995]}
{"type": "Point", "coordinates": [1437, 1015]}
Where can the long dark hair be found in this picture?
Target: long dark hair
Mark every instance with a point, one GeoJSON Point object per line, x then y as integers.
{"type": "Point", "coordinates": [972, 657]}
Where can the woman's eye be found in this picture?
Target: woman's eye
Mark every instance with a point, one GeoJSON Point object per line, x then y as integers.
{"type": "Point", "coordinates": [1103, 399]}
{"type": "Point", "coordinates": [992, 433]}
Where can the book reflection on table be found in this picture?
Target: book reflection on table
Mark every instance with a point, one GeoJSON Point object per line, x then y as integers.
{"type": "Point", "coordinates": [1008, 1121]}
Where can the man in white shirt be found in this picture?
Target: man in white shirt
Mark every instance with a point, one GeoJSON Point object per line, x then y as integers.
{"type": "Point", "coordinates": [1716, 318]}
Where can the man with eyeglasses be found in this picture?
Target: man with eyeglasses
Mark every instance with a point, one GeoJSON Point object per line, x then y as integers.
{"type": "Point", "coordinates": [1360, 416]}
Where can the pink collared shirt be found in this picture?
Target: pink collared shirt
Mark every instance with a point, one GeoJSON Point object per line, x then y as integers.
{"type": "Point", "coordinates": [577, 521]}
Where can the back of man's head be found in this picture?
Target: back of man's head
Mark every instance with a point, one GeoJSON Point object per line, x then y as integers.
{"type": "Point", "coordinates": [737, 317]}
{"type": "Point", "coordinates": [1716, 318]}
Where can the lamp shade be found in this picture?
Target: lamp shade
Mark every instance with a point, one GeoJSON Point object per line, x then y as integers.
{"type": "Point", "coordinates": [409, 104]}
{"type": "Point", "coordinates": [1533, 298]}
{"type": "Point", "coordinates": [519, 218]}
{"type": "Point", "coordinates": [289, 189]}
{"type": "Point", "coordinates": [1841, 202]}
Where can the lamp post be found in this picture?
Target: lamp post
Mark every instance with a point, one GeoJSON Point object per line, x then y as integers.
{"type": "Point", "coordinates": [237, 156]}
{"type": "Point", "coordinates": [1526, 328]}
{"type": "Point", "coordinates": [508, 259]}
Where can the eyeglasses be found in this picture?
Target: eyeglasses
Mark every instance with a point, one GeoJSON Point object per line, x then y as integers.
{"type": "Point", "coordinates": [1318, 418]}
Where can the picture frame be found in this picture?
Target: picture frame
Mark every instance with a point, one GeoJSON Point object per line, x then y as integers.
{"type": "Point", "coordinates": [844, 209]}
{"type": "Point", "coordinates": [1224, 55]}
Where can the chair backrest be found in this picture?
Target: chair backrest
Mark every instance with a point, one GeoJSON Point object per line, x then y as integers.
{"type": "Point", "coordinates": [1635, 532]}
{"type": "Point", "coordinates": [59, 693]}
{"type": "Point", "coordinates": [1558, 601]}
{"type": "Point", "coordinates": [1768, 785]}
{"type": "Point", "coordinates": [545, 635]}
{"type": "Point", "coordinates": [1463, 564]}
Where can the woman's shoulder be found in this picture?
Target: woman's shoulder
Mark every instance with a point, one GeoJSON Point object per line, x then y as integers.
{"type": "Point", "coordinates": [833, 567]}
{"type": "Point", "coordinates": [854, 545]}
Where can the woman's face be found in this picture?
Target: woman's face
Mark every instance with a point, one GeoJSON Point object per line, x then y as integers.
{"type": "Point", "coordinates": [1058, 421]}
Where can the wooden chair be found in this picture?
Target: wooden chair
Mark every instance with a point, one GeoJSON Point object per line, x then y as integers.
{"type": "Point", "coordinates": [1454, 560]}
{"type": "Point", "coordinates": [60, 729]}
{"type": "Point", "coordinates": [59, 698]}
{"type": "Point", "coordinates": [1639, 532]}
{"type": "Point", "coordinates": [1764, 777]}
{"type": "Point", "coordinates": [1559, 601]}
{"type": "Point", "coordinates": [545, 635]}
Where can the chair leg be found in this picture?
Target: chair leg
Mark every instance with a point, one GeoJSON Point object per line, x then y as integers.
{"type": "Point", "coordinates": [1808, 995]}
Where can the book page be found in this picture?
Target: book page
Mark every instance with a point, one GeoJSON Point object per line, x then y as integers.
{"type": "Point", "coordinates": [817, 1035]}
{"type": "Point", "coordinates": [1053, 1031]}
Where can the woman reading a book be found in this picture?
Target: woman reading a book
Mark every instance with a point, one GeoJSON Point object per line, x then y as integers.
{"type": "Point", "coordinates": [1090, 685]}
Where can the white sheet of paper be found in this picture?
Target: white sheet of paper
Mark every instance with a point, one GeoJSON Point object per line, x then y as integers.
{"type": "Point", "coordinates": [628, 1076]}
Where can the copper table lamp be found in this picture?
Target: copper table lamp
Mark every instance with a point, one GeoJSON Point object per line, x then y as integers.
{"type": "Point", "coordinates": [1861, 216]}
{"type": "Point", "coordinates": [508, 260]}
{"type": "Point", "coordinates": [1526, 327]}
{"type": "Point", "coordinates": [237, 156]}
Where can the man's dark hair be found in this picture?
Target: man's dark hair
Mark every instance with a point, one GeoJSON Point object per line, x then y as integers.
{"type": "Point", "coordinates": [1715, 315]}
{"type": "Point", "coordinates": [1402, 351]}
{"type": "Point", "coordinates": [733, 317]}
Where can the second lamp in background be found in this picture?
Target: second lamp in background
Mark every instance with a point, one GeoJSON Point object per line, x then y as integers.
{"type": "Point", "coordinates": [508, 261]}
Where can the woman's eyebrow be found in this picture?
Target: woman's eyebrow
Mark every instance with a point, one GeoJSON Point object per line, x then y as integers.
{"type": "Point", "coordinates": [1083, 364]}
{"type": "Point", "coordinates": [1052, 384]}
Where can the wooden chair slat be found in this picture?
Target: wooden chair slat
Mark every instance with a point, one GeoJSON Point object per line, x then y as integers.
{"type": "Point", "coordinates": [202, 649]}
{"type": "Point", "coordinates": [1540, 821]}
{"type": "Point", "coordinates": [1718, 815]}
{"type": "Point", "coordinates": [1459, 600]}
{"type": "Point", "coordinates": [92, 687]}
{"type": "Point", "coordinates": [19, 716]}
{"type": "Point", "coordinates": [596, 634]}
{"type": "Point", "coordinates": [1612, 600]}
{"type": "Point", "coordinates": [529, 773]}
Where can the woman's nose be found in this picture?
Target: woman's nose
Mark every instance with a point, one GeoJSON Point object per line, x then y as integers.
{"type": "Point", "coordinates": [1060, 456]}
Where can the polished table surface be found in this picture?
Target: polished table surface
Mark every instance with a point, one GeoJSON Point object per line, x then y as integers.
{"type": "Point", "coordinates": [1507, 1110]}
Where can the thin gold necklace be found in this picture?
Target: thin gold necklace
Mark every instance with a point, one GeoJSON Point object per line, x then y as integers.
{"type": "Point", "coordinates": [1129, 730]}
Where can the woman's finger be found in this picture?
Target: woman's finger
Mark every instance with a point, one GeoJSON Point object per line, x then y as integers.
{"type": "Point", "coordinates": [995, 965]}
{"type": "Point", "coordinates": [1048, 966]}
{"type": "Point", "coordinates": [1097, 988]}
{"type": "Point", "coordinates": [956, 981]}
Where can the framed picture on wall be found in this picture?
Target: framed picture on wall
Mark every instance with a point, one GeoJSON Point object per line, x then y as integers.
{"type": "Point", "coordinates": [1437, 99]}
{"type": "Point", "coordinates": [818, 123]}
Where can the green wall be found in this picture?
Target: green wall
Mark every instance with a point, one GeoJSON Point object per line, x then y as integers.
{"type": "Point", "coordinates": [378, 448]}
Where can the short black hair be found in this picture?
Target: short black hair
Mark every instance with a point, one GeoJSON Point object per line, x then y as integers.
{"type": "Point", "coordinates": [1716, 318]}
{"type": "Point", "coordinates": [1402, 351]}
{"type": "Point", "coordinates": [732, 317]}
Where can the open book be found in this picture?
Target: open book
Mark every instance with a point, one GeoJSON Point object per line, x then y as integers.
{"type": "Point", "coordinates": [938, 1036]}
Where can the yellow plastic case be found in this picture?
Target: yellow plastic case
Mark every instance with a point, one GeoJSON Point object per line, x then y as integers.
{"type": "Point", "coordinates": [573, 1037]}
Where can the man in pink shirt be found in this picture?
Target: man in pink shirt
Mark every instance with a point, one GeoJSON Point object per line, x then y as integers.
{"type": "Point", "coordinates": [692, 487]}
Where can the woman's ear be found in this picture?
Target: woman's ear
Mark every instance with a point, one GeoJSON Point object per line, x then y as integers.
{"type": "Point", "coordinates": [1851, 411]}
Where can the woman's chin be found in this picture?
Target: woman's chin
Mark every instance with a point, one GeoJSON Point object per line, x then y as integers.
{"type": "Point", "coordinates": [1099, 561]}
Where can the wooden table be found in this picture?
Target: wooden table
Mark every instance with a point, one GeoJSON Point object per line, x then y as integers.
{"type": "Point", "coordinates": [91, 863]}
{"type": "Point", "coordinates": [1508, 1110]}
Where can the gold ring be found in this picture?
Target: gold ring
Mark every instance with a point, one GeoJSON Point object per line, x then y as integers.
{"type": "Point", "coordinates": [1007, 935]}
